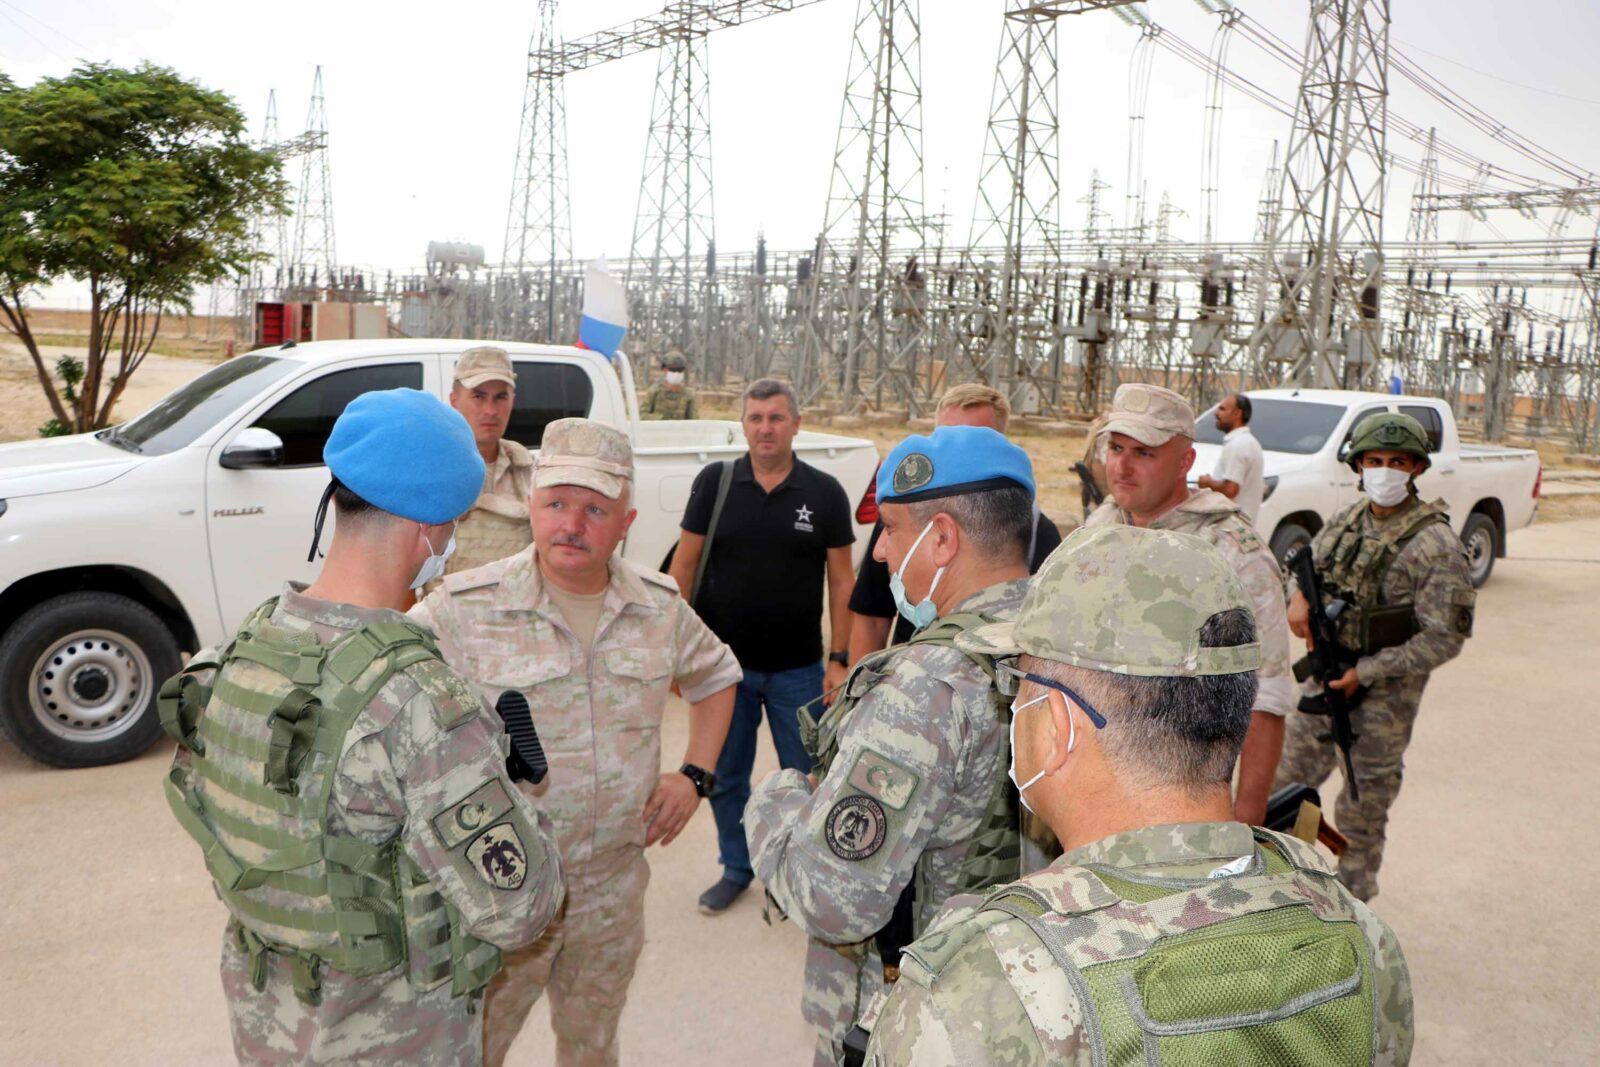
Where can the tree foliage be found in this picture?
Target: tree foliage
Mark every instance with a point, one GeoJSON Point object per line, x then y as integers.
{"type": "Point", "coordinates": [139, 184]}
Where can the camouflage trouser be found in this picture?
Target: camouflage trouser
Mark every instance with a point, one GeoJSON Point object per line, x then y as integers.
{"type": "Point", "coordinates": [585, 959]}
{"type": "Point", "coordinates": [1383, 724]}
{"type": "Point", "coordinates": [841, 981]}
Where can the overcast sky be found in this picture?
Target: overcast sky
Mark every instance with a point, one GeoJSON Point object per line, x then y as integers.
{"type": "Point", "coordinates": [424, 101]}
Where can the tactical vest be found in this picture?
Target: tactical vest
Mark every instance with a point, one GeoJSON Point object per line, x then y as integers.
{"type": "Point", "coordinates": [1281, 973]}
{"type": "Point", "coordinates": [664, 403]}
{"type": "Point", "coordinates": [497, 524]}
{"type": "Point", "coordinates": [995, 854]}
{"type": "Point", "coordinates": [265, 740]}
{"type": "Point", "coordinates": [1354, 568]}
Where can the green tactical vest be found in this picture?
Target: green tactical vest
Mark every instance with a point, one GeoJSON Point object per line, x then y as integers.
{"type": "Point", "coordinates": [995, 855]}
{"type": "Point", "coordinates": [1283, 973]}
{"type": "Point", "coordinates": [265, 740]}
{"type": "Point", "coordinates": [1354, 568]}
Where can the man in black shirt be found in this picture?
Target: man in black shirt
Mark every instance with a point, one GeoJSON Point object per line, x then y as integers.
{"type": "Point", "coordinates": [782, 526]}
{"type": "Point", "coordinates": [872, 608]}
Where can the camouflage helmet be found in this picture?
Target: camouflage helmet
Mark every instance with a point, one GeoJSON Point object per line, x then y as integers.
{"type": "Point", "coordinates": [674, 361]}
{"type": "Point", "coordinates": [1387, 431]}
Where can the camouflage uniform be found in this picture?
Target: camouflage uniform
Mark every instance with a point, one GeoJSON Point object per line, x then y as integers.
{"type": "Point", "coordinates": [1218, 520]}
{"type": "Point", "coordinates": [918, 757]}
{"type": "Point", "coordinates": [598, 713]}
{"type": "Point", "coordinates": [405, 763]}
{"type": "Point", "coordinates": [982, 987]}
{"type": "Point", "coordinates": [497, 526]}
{"type": "Point", "coordinates": [1431, 574]}
{"type": "Point", "coordinates": [666, 402]}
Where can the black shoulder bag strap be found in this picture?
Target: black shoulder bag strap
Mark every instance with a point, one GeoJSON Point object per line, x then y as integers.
{"type": "Point", "coordinates": [711, 530]}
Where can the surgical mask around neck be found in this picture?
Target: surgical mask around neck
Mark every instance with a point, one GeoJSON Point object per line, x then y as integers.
{"type": "Point", "coordinates": [924, 612]}
{"type": "Point", "coordinates": [674, 377]}
{"type": "Point", "coordinates": [1385, 486]}
{"type": "Point", "coordinates": [433, 566]}
{"type": "Point", "coordinates": [1011, 771]}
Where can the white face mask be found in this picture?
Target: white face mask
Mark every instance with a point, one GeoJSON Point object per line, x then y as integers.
{"type": "Point", "coordinates": [1011, 771]}
{"type": "Point", "coordinates": [433, 566]}
{"type": "Point", "coordinates": [1385, 486]}
{"type": "Point", "coordinates": [674, 377]}
{"type": "Point", "coordinates": [924, 612]}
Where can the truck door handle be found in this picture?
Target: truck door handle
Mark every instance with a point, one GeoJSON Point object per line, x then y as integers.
{"type": "Point", "coordinates": [1446, 473]}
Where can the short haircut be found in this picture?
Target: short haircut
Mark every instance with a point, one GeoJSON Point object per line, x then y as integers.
{"type": "Point", "coordinates": [999, 522]}
{"type": "Point", "coordinates": [351, 506]}
{"type": "Point", "coordinates": [1244, 407]}
{"type": "Point", "coordinates": [972, 395]}
{"type": "Point", "coordinates": [766, 389]}
{"type": "Point", "coordinates": [1173, 733]}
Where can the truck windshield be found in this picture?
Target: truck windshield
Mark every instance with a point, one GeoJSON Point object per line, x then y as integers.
{"type": "Point", "coordinates": [180, 417]}
{"type": "Point", "coordinates": [1280, 425]}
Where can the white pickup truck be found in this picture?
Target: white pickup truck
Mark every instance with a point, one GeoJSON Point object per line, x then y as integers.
{"type": "Point", "coordinates": [121, 548]}
{"type": "Point", "coordinates": [1304, 433]}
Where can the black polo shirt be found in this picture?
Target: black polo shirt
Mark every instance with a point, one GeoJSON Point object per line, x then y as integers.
{"type": "Point", "coordinates": [871, 594]}
{"type": "Point", "coordinates": [762, 591]}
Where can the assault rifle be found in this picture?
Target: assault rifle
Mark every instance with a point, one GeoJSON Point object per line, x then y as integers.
{"type": "Point", "coordinates": [1327, 660]}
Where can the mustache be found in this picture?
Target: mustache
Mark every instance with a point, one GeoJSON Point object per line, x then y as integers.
{"type": "Point", "coordinates": [572, 541]}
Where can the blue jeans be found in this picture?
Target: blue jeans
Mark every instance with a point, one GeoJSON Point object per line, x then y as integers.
{"type": "Point", "coordinates": [782, 693]}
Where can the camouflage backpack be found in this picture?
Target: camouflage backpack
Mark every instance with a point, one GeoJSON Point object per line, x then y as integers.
{"type": "Point", "coordinates": [265, 740]}
{"type": "Point", "coordinates": [1355, 565]}
{"type": "Point", "coordinates": [1282, 973]}
{"type": "Point", "coordinates": [996, 852]}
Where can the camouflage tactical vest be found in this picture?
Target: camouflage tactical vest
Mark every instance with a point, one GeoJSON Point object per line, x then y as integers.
{"type": "Point", "coordinates": [995, 854]}
{"type": "Point", "coordinates": [1283, 973]}
{"type": "Point", "coordinates": [265, 740]}
{"type": "Point", "coordinates": [497, 524]}
{"type": "Point", "coordinates": [663, 403]}
{"type": "Point", "coordinates": [1354, 569]}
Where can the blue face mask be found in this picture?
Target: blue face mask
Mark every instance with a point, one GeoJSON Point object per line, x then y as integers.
{"type": "Point", "coordinates": [924, 612]}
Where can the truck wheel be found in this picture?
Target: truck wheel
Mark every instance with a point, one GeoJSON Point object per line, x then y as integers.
{"type": "Point", "coordinates": [1479, 536]}
{"type": "Point", "coordinates": [79, 676]}
{"type": "Point", "coordinates": [1286, 539]}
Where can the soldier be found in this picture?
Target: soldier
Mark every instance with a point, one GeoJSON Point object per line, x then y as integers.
{"type": "Point", "coordinates": [909, 801]}
{"type": "Point", "coordinates": [670, 398]}
{"type": "Point", "coordinates": [484, 391]}
{"type": "Point", "coordinates": [1167, 932]}
{"type": "Point", "coordinates": [594, 643]}
{"type": "Point", "coordinates": [1148, 438]}
{"type": "Point", "coordinates": [1403, 571]}
{"type": "Point", "coordinates": [349, 789]}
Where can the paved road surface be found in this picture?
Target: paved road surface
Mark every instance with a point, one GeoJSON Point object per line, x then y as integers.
{"type": "Point", "coordinates": [110, 932]}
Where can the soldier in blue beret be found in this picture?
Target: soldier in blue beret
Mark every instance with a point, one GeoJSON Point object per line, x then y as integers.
{"type": "Point", "coordinates": [348, 789]}
{"type": "Point", "coordinates": [909, 801]}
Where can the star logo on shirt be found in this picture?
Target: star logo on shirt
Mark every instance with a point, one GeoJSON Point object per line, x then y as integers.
{"type": "Point", "coordinates": [802, 514]}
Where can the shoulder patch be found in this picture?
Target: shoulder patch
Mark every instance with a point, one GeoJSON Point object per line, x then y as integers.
{"type": "Point", "coordinates": [499, 857]}
{"type": "Point", "coordinates": [459, 822]}
{"type": "Point", "coordinates": [454, 701]}
{"type": "Point", "coordinates": [878, 776]}
{"type": "Point", "coordinates": [856, 828]}
{"type": "Point", "coordinates": [1462, 603]}
{"type": "Point", "coordinates": [665, 581]}
{"type": "Point", "coordinates": [474, 578]}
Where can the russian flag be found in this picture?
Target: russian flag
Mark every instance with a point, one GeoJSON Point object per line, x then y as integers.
{"type": "Point", "coordinates": [605, 311]}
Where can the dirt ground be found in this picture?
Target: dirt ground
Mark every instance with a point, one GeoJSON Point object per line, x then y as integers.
{"type": "Point", "coordinates": [112, 933]}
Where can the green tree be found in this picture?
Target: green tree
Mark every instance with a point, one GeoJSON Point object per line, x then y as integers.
{"type": "Point", "coordinates": [139, 184]}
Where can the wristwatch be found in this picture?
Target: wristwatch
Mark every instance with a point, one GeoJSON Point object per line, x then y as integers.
{"type": "Point", "coordinates": [704, 781]}
{"type": "Point", "coordinates": [841, 658]}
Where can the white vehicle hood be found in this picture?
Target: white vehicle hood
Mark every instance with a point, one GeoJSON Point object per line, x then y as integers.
{"type": "Point", "coordinates": [60, 465]}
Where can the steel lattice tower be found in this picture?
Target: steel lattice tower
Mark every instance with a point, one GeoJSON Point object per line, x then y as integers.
{"type": "Point", "coordinates": [1325, 327]}
{"type": "Point", "coordinates": [867, 298]}
{"type": "Point", "coordinates": [673, 225]}
{"type": "Point", "coordinates": [539, 221]}
{"type": "Point", "coordinates": [314, 250]}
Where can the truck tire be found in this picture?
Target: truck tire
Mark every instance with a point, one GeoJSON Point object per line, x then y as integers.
{"type": "Point", "coordinates": [79, 676]}
{"type": "Point", "coordinates": [1286, 538]}
{"type": "Point", "coordinates": [1480, 536]}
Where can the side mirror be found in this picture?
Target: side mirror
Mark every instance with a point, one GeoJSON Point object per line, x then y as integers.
{"type": "Point", "coordinates": [1344, 452]}
{"type": "Point", "coordinates": [252, 449]}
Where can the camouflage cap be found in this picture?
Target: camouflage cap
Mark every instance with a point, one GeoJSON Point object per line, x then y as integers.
{"type": "Point", "coordinates": [1125, 600]}
{"type": "Point", "coordinates": [484, 363]}
{"type": "Point", "coordinates": [1149, 414]}
{"type": "Point", "coordinates": [584, 452]}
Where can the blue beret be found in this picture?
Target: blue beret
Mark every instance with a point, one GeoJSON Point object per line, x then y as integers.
{"type": "Point", "coordinates": [951, 461]}
{"type": "Point", "coordinates": [408, 453]}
